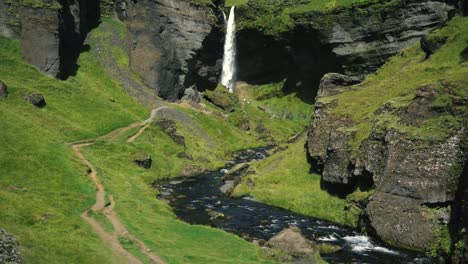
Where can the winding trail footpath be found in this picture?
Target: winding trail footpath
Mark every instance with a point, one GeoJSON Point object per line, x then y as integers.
{"type": "Point", "coordinates": [112, 239]}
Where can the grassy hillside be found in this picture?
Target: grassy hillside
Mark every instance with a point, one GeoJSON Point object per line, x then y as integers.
{"type": "Point", "coordinates": [44, 188]}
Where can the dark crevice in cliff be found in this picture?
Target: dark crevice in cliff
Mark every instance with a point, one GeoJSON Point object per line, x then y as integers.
{"type": "Point", "coordinates": [459, 216]}
{"type": "Point", "coordinates": [77, 19]}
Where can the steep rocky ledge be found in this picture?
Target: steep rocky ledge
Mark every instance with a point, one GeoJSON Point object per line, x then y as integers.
{"type": "Point", "coordinates": [51, 32]}
{"type": "Point", "coordinates": [353, 40]}
{"type": "Point", "coordinates": [418, 179]}
{"type": "Point", "coordinates": [175, 45]}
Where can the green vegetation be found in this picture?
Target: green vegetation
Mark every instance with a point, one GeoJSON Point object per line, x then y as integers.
{"type": "Point", "coordinates": [442, 243]}
{"type": "Point", "coordinates": [283, 180]}
{"type": "Point", "coordinates": [279, 16]}
{"type": "Point", "coordinates": [394, 86]}
{"type": "Point", "coordinates": [44, 188]}
{"type": "Point", "coordinates": [156, 225]}
{"type": "Point", "coordinates": [272, 113]}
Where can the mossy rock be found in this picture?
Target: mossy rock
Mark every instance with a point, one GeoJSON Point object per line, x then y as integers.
{"type": "Point", "coordinates": [222, 98]}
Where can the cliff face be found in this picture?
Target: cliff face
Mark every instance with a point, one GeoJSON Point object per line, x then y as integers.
{"type": "Point", "coordinates": [409, 144]}
{"type": "Point", "coordinates": [353, 40]}
{"type": "Point", "coordinates": [51, 32]}
{"type": "Point", "coordinates": [174, 45]}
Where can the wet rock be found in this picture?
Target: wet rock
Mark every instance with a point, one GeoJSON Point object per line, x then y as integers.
{"type": "Point", "coordinates": [3, 90]}
{"type": "Point", "coordinates": [239, 170]}
{"type": "Point", "coordinates": [36, 99]}
{"type": "Point", "coordinates": [144, 161]}
{"type": "Point", "coordinates": [214, 215]}
{"type": "Point", "coordinates": [9, 249]}
{"type": "Point", "coordinates": [292, 241]}
{"type": "Point", "coordinates": [227, 187]}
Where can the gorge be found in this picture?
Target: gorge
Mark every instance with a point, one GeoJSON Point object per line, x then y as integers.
{"type": "Point", "coordinates": [358, 109]}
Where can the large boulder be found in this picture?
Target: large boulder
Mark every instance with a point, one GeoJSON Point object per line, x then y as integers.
{"type": "Point", "coordinates": [144, 161]}
{"type": "Point", "coordinates": [293, 242]}
{"type": "Point", "coordinates": [36, 99]}
{"type": "Point", "coordinates": [9, 249]}
{"type": "Point", "coordinates": [3, 90]}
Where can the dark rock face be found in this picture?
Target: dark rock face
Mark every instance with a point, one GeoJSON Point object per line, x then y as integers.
{"type": "Point", "coordinates": [36, 99]}
{"type": "Point", "coordinates": [51, 35]}
{"type": "Point", "coordinates": [463, 5]}
{"type": "Point", "coordinates": [40, 41]}
{"type": "Point", "coordinates": [363, 45]}
{"type": "Point", "coordinates": [339, 41]}
{"type": "Point", "coordinates": [144, 161]}
{"type": "Point", "coordinates": [166, 39]}
{"type": "Point", "coordinates": [3, 90]}
{"type": "Point", "coordinates": [415, 181]}
{"type": "Point", "coordinates": [9, 249]}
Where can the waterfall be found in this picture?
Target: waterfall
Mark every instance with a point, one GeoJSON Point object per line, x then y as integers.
{"type": "Point", "coordinates": [228, 77]}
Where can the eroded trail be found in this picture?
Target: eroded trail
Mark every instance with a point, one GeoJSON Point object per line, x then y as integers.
{"type": "Point", "coordinates": [112, 238]}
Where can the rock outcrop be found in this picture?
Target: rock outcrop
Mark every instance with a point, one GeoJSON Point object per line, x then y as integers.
{"type": "Point", "coordinates": [36, 99]}
{"type": "Point", "coordinates": [51, 31]}
{"type": "Point", "coordinates": [167, 39]}
{"type": "Point", "coordinates": [144, 161]}
{"type": "Point", "coordinates": [335, 41]}
{"type": "Point", "coordinates": [291, 241]}
{"type": "Point", "coordinates": [415, 180]}
{"type": "Point", "coordinates": [9, 249]}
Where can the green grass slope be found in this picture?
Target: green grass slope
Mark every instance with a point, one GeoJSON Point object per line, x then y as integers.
{"type": "Point", "coordinates": [44, 188]}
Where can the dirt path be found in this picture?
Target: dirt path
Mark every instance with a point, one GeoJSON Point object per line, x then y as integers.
{"type": "Point", "coordinates": [112, 239]}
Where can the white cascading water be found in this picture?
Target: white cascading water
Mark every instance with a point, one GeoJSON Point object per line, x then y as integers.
{"type": "Point", "coordinates": [228, 77]}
